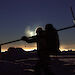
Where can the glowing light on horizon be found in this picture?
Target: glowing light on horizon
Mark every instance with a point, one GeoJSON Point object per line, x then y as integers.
{"type": "Point", "coordinates": [62, 49]}
{"type": "Point", "coordinates": [25, 49]}
{"type": "Point", "coordinates": [31, 49]}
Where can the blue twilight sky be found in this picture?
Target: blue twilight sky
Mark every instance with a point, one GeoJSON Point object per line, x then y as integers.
{"type": "Point", "coordinates": [17, 16]}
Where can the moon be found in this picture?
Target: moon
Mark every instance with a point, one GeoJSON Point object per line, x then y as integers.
{"type": "Point", "coordinates": [29, 32]}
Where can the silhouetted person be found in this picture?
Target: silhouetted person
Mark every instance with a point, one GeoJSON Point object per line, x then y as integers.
{"type": "Point", "coordinates": [43, 55]}
{"type": "Point", "coordinates": [52, 39]}
{"type": "Point", "coordinates": [42, 65]}
{"type": "Point", "coordinates": [49, 45]}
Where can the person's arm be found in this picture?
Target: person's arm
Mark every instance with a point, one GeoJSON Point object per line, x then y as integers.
{"type": "Point", "coordinates": [29, 39]}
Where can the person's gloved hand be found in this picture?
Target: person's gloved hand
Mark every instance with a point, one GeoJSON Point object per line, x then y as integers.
{"type": "Point", "coordinates": [24, 38]}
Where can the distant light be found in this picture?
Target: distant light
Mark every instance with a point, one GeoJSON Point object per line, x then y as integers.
{"type": "Point", "coordinates": [29, 49]}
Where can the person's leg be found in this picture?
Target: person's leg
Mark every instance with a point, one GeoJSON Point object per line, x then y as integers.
{"type": "Point", "coordinates": [46, 63]}
{"type": "Point", "coordinates": [37, 68]}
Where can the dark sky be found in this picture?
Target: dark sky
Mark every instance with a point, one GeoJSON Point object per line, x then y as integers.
{"type": "Point", "coordinates": [17, 15]}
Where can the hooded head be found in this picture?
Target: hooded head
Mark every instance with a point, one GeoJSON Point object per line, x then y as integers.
{"type": "Point", "coordinates": [49, 27]}
{"type": "Point", "coordinates": [38, 30]}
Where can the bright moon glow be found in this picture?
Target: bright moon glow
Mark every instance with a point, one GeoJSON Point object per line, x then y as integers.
{"type": "Point", "coordinates": [29, 32]}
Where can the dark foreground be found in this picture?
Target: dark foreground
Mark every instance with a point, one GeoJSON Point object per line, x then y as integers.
{"type": "Point", "coordinates": [57, 65]}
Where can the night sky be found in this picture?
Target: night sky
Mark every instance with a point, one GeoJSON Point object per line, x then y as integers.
{"type": "Point", "coordinates": [19, 16]}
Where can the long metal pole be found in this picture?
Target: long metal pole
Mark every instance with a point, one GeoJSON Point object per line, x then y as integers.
{"type": "Point", "coordinates": [10, 42]}
{"type": "Point", "coordinates": [66, 28]}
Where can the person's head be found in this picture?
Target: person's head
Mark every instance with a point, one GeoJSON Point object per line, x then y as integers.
{"type": "Point", "coordinates": [38, 30]}
{"type": "Point", "coordinates": [49, 26]}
